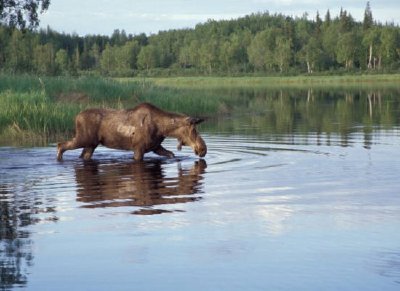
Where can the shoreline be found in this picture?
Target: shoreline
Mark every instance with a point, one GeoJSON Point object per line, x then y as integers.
{"type": "Point", "coordinates": [269, 81]}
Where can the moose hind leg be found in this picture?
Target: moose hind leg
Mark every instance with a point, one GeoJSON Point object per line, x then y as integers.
{"type": "Point", "coordinates": [65, 146]}
{"type": "Point", "coordinates": [60, 150]}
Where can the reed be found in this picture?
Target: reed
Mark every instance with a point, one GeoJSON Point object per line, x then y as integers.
{"type": "Point", "coordinates": [271, 82]}
{"type": "Point", "coordinates": [33, 108]}
{"type": "Point", "coordinates": [39, 109]}
{"type": "Point", "coordinates": [98, 89]}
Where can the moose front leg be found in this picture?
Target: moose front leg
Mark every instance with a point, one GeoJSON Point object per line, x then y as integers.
{"type": "Point", "coordinates": [138, 154]}
{"type": "Point", "coordinates": [160, 150]}
{"type": "Point", "coordinates": [87, 153]}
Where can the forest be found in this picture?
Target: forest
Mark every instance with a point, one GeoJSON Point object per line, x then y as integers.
{"type": "Point", "coordinates": [257, 44]}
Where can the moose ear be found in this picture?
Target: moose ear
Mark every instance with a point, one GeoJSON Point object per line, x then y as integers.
{"type": "Point", "coordinates": [194, 120]}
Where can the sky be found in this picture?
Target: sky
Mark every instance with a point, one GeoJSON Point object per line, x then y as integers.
{"type": "Point", "coordinates": [151, 16]}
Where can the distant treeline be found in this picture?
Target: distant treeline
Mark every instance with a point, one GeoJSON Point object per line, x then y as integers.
{"type": "Point", "coordinates": [259, 43]}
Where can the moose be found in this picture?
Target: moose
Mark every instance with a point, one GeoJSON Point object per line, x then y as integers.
{"type": "Point", "coordinates": [141, 129]}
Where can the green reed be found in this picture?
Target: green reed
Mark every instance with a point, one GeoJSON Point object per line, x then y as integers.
{"type": "Point", "coordinates": [33, 115]}
{"type": "Point", "coordinates": [98, 89]}
{"type": "Point", "coordinates": [274, 82]}
{"type": "Point", "coordinates": [34, 108]}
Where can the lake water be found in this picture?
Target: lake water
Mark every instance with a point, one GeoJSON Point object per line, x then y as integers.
{"type": "Point", "coordinates": [295, 193]}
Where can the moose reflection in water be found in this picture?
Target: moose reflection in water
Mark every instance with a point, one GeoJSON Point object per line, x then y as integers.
{"type": "Point", "coordinates": [140, 184]}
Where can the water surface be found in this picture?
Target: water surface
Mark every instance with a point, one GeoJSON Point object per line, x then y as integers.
{"type": "Point", "coordinates": [294, 193]}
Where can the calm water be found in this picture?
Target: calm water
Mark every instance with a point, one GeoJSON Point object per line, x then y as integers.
{"type": "Point", "coordinates": [295, 193]}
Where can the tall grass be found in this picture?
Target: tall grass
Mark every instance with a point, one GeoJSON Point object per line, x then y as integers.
{"type": "Point", "coordinates": [33, 108]}
{"type": "Point", "coordinates": [273, 82]}
{"type": "Point", "coordinates": [39, 109]}
{"type": "Point", "coordinates": [32, 116]}
{"type": "Point", "coordinates": [98, 89]}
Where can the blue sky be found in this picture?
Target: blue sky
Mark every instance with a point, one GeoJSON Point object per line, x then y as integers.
{"type": "Point", "coordinates": [150, 16]}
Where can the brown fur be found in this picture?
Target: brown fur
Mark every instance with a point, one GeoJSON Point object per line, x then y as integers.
{"type": "Point", "coordinates": [141, 129]}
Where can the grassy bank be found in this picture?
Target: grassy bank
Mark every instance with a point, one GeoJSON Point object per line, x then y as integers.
{"type": "Point", "coordinates": [270, 82]}
{"type": "Point", "coordinates": [42, 109]}
{"type": "Point", "coordinates": [37, 110]}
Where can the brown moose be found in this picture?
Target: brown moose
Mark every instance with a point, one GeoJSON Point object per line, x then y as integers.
{"type": "Point", "coordinates": [141, 129]}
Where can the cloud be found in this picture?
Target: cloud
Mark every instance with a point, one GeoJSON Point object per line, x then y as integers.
{"type": "Point", "coordinates": [181, 16]}
{"type": "Point", "coordinates": [151, 16]}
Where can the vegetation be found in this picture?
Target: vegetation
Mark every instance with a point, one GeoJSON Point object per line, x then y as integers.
{"type": "Point", "coordinates": [357, 81]}
{"type": "Point", "coordinates": [22, 13]}
{"type": "Point", "coordinates": [256, 44]}
{"type": "Point", "coordinates": [41, 110]}
{"type": "Point", "coordinates": [33, 108]}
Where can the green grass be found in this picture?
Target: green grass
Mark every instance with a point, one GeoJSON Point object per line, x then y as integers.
{"type": "Point", "coordinates": [269, 82]}
{"type": "Point", "coordinates": [98, 89]}
{"type": "Point", "coordinates": [37, 110]}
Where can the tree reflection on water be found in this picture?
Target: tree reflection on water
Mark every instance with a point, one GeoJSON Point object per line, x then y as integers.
{"type": "Point", "coordinates": [15, 242]}
{"type": "Point", "coordinates": [284, 113]}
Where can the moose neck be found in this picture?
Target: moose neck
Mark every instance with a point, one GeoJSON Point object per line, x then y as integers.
{"type": "Point", "coordinates": [169, 123]}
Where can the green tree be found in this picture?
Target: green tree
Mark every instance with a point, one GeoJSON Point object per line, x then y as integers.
{"type": "Point", "coordinates": [347, 49]}
{"type": "Point", "coordinates": [76, 61]}
{"type": "Point", "coordinates": [209, 54]}
{"type": "Point", "coordinates": [346, 21]}
{"type": "Point", "coordinates": [258, 42]}
{"type": "Point", "coordinates": [126, 58]}
{"type": "Point", "coordinates": [283, 53]}
{"type": "Point", "coordinates": [147, 57]}
{"type": "Point", "coordinates": [368, 21]}
{"type": "Point", "coordinates": [261, 50]}
{"type": "Point", "coordinates": [4, 41]}
{"type": "Point", "coordinates": [108, 60]}
{"type": "Point", "coordinates": [85, 59]}
{"type": "Point", "coordinates": [184, 57]}
{"type": "Point", "coordinates": [328, 19]}
{"type": "Point", "coordinates": [318, 25]}
{"type": "Point", "coordinates": [19, 52]}
{"type": "Point", "coordinates": [61, 61]}
{"type": "Point", "coordinates": [44, 59]}
{"type": "Point", "coordinates": [233, 52]}
{"type": "Point", "coordinates": [194, 53]}
{"type": "Point", "coordinates": [95, 55]}
{"type": "Point", "coordinates": [22, 13]}
{"type": "Point", "coordinates": [330, 39]}
{"type": "Point", "coordinates": [389, 51]}
{"type": "Point", "coordinates": [311, 54]}
{"type": "Point", "coordinates": [371, 39]}
{"type": "Point", "coordinates": [131, 51]}
{"type": "Point", "coordinates": [118, 38]}
{"type": "Point", "coordinates": [371, 35]}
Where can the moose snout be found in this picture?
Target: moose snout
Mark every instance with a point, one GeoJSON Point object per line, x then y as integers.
{"type": "Point", "coordinates": [202, 152]}
{"type": "Point", "coordinates": [200, 148]}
